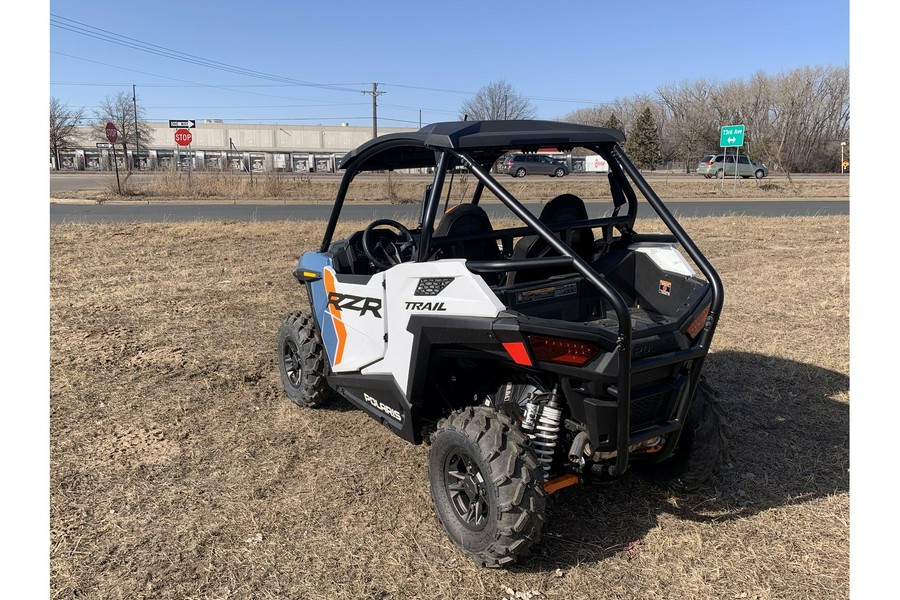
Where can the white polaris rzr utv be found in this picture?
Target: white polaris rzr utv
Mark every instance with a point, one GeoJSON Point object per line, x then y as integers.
{"type": "Point", "coordinates": [530, 357]}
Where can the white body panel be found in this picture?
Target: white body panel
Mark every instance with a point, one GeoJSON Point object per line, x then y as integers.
{"type": "Point", "coordinates": [361, 329]}
{"type": "Point", "coordinates": [466, 295]}
{"type": "Point", "coordinates": [666, 257]}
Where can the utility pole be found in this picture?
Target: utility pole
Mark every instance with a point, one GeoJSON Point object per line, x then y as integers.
{"type": "Point", "coordinates": [137, 135]}
{"type": "Point", "coordinates": [375, 93]}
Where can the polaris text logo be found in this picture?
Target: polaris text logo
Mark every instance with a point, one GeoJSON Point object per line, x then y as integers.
{"type": "Point", "coordinates": [433, 306]}
{"type": "Point", "coordinates": [357, 303]}
{"type": "Point", "coordinates": [395, 414]}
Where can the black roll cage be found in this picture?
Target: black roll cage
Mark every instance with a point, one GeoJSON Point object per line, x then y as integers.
{"type": "Point", "coordinates": [621, 170]}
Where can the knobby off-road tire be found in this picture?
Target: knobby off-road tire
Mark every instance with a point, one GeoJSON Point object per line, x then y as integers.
{"type": "Point", "coordinates": [487, 486]}
{"type": "Point", "coordinates": [701, 448]}
{"type": "Point", "coordinates": [301, 360]}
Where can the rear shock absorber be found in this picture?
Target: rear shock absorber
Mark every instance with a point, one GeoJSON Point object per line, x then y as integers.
{"type": "Point", "coordinates": [546, 430]}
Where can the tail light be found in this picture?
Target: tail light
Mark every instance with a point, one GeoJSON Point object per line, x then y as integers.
{"type": "Point", "coordinates": [709, 164]}
{"type": "Point", "coordinates": [699, 321]}
{"type": "Point", "coordinates": [561, 350]}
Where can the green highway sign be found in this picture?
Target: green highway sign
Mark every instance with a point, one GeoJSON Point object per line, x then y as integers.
{"type": "Point", "coordinates": [731, 135]}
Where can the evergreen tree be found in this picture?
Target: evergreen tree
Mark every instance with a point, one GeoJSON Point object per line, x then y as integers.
{"type": "Point", "coordinates": [612, 122]}
{"type": "Point", "coordinates": [644, 143]}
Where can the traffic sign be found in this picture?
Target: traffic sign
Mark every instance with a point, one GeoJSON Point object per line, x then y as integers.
{"type": "Point", "coordinates": [189, 123]}
{"type": "Point", "coordinates": [112, 134]}
{"type": "Point", "coordinates": [183, 137]}
{"type": "Point", "coordinates": [104, 145]}
{"type": "Point", "coordinates": [731, 136]}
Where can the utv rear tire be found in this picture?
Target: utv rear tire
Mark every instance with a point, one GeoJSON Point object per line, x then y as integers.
{"type": "Point", "coordinates": [301, 360]}
{"type": "Point", "coordinates": [701, 447]}
{"type": "Point", "coordinates": [487, 486]}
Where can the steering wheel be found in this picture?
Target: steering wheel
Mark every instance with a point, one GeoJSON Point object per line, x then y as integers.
{"type": "Point", "coordinates": [394, 252]}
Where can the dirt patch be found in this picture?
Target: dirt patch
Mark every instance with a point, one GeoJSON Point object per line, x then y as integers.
{"type": "Point", "coordinates": [180, 470]}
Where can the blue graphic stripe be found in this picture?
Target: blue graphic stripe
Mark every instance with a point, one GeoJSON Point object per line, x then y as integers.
{"type": "Point", "coordinates": [313, 261]}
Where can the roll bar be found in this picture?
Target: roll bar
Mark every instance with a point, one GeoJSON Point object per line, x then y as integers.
{"type": "Point", "coordinates": [620, 166]}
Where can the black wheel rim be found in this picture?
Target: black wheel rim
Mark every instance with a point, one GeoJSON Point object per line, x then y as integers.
{"type": "Point", "coordinates": [290, 357]}
{"type": "Point", "coordinates": [466, 489]}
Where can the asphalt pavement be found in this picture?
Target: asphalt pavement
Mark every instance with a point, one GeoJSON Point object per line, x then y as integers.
{"type": "Point", "coordinates": [180, 212]}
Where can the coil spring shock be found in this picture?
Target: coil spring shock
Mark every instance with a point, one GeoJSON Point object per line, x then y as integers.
{"type": "Point", "coordinates": [544, 429]}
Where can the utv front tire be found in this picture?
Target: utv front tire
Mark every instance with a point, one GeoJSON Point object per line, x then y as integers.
{"type": "Point", "coordinates": [487, 486]}
{"type": "Point", "coordinates": [701, 447]}
{"type": "Point", "coordinates": [301, 360]}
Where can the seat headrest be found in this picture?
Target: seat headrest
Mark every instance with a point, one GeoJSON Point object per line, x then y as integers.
{"type": "Point", "coordinates": [565, 207]}
{"type": "Point", "coordinates": [463, 219]}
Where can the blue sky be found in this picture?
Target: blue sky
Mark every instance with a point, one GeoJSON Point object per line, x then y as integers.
{"type": "Point", "coordinates": [427, 56]}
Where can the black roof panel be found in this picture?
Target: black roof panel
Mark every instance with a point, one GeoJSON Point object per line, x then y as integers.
{"type": "Point", "coordinates": [487, 140]}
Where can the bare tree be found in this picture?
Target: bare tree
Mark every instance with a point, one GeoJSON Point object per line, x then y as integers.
{"type": "Point", "coordinates": [119, 110]}
{"type": "Point", "coordinates": [63, 124]}
{"type": "Point", "coordinates": [596, 116]}
{"type": "Point", "coordinates": [497, 101]}
{"type": "Point", "coordinates": [690, 131]}
{"type": "Point", "coordinates": [795, 119]}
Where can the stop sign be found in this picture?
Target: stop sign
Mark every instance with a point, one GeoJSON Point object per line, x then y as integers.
{"type": "Point", "coordinates": [183, 137]}
{"type": "Point", "coordinates": [112, 134]}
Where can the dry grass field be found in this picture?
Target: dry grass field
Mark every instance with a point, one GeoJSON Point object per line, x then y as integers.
{"type": "Point", "coordinates": [401, 188]}
{"type": "Point", "coordinates": [179, 470]}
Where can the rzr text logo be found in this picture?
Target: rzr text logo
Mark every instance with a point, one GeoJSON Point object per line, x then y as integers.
{"type": "Point", "coordinates": [357, 303]}
{"type": "Point", "coordinates": [434, 306]}
{"type": "Point", "coordinates": [391, 412]}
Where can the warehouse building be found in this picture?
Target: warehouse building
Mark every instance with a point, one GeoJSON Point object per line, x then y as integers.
{"type": "Point", "coordinates": [218, 146]}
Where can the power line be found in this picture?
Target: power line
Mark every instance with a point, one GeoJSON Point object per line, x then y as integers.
{"type": "Point", "coordinates": [540, 98]}
{"type": "Point", "coordinates": [452, 112]}
{"type": "Point", "coordinates": [194, 83]}
{"type": "Point", "coordinates": [128, 42]}
{"type": "Point", "coordinates": [104, 35]}
{"type": "Point", "coordinates": [249, 106]}
{"type": "Point", "coordinates": [133, 43]}
{"type": "Point", "coordinates": [177, 85]}
{"type": "Point", "coordinates": [283, 119]}
{"type": "Point", "coordinates": [429, 89]}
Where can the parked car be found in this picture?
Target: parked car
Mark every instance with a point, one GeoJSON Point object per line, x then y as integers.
{"type": "Point", "coordinates": [721, 165]}
{"type": "Point", "coordinates": [520, 165]}
{"type": "Point", "coordinates": [705, 159]}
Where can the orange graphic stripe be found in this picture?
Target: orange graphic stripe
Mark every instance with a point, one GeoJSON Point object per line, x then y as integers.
{"type": "Point", "coordinates": [339, 328]}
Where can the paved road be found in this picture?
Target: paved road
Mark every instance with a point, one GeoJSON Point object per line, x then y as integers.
{"type": "Point", "coordinates": [171, 212]}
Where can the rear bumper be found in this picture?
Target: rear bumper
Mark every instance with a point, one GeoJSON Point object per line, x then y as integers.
{"type": "Point", "coordinates": [661, 376]}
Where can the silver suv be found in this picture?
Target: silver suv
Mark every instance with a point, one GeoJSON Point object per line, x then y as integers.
{"type": "Point", "coordinates": [520, 165]}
